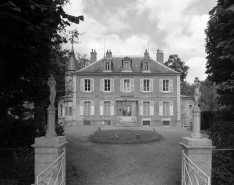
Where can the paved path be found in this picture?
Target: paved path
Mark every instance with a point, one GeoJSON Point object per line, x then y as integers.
{"type": "Point", "coordinates": [157, 163]}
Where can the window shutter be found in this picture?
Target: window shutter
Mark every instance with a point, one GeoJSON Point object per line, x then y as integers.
{"type": "Point", "coordinates": [141, 85]}
{"type": "Point", "coordinates": [63, 111]}
{"type": "Point", "coordinates": [171, 108]}
{"type": "Point", "coordinates": [102, 85]}
{"type": "Point", "coordinates": [92, 107]}
{"type": "Point", "coordinates": [151, 85]}
{"type": "Point", "coordinates": [81, 108]}
{"type": "Point", "coordinates": [101, 108]}
{"type": "Point", "coordinates": [121, 85]}
{"type": "Point", "coordinates": [92, 85]}
{"type": "Point", "coordinates": [141, 108]}
{"type": "Point", "coordinates": [160, 108]}
{"type": "Point", "coordinates": [112, 85]}
{"type": "Point", "coordinates": [82, 85]}
{"type": "Point", "coordinates": [171, 85]}
{"type": "Point", "coordinates": [161, 85]}
{"type": "Point", "coordinates": [132, 84]}
{"type": "Point", "coordinates": [151, 108]}
{"type": "Point", "coordinates": [112, 112]}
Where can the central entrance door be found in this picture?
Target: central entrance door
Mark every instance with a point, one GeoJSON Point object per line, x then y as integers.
{"type": "Point", "coordinates": [126, 113]}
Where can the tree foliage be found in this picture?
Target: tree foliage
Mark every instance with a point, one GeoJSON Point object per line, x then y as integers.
{"type": "Point", "coordinates": [220, 65]}
{"type": "Point", "coordinates": [30, 44]}
{"type": "Point", "coordinates": [174, 62]}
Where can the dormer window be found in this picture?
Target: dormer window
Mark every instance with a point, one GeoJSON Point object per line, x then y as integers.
{"type": "Point", "coordinates": [146, 66]}
{"type": "Point", "coordinates": [107, 66]}
{"type": "Point", "coordinates": [126, 66]}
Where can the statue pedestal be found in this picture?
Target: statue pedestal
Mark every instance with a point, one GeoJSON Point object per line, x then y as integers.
{"type": "Point", "coordinates": [50, 132]}
{"type": "Point", "coordinates": [196, 123]}
{"type": "Point", "coordinates": [199, 151]}
{"type": "Point", "coordinates": [47, 150]}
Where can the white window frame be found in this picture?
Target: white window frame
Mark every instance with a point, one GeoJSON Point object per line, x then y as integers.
{"type": "Point", "coordinates": [146, 63]}
{"type": "Point", "coordinates": [171, 109]}
{"type": "Point", "coordinates": [125, 68]}
{"type": "Point", "coordinates": [151, 105]}
{"type": "Point", "coordinates": [105, 66]}
{"type": "Point", "coordinates": [82, 85]}
{"type": "Point", "coordinates": [170, 85]}
{"type": "Point", "coordinates": [104, 84]}
{"type": "Point", "coordinates": [92, 108]}
{"type": "Point", "coordinates": [167, 85]}
{"type": "Point", "coordinates": [131, 85]}
{"type": "Point", "coordinates": [102, 107]}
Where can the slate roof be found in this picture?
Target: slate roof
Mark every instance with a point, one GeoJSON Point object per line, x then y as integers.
{"type": "Point", "coordinates": [72, 64]}
{"type": "Point", "coordinates": [98, 66]}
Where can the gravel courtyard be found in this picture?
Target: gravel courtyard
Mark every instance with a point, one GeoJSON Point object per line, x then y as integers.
{"type": "Point", "coordinates": [157, 163]}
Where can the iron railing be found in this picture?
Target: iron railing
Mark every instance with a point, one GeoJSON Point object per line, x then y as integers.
{"type": "Point", "coordinates": [191, 174]}
{"type": "Point", "coordinates": [55, 173]}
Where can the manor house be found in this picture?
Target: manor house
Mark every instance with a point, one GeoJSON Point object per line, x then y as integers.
{"type": "Point", "coordinates": [123, 91]}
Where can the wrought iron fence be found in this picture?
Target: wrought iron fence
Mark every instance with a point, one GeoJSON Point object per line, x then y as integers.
{"type": "Point", "coordinates": [55, 173]}
{"type": "Point", "coordinates": [191, 174]}
{"type": "Point", "coordinates": [16, 166]}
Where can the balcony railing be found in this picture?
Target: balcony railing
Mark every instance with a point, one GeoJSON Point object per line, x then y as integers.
{"type": "Point", "coordinates": [191, 174]}
{"type": "Point", "coordinates": [53, 174]}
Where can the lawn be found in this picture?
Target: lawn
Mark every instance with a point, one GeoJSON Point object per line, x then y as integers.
{"type": "Point", "coordinates": [125, 136]}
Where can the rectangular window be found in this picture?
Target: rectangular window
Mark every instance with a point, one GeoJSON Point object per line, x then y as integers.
{"type": "Point", "coordinates": [61, 110]}
{"type": "Point", "coordinates": [146, 85]}
{"type": "Point", "coordinates": [127, 66]}
{"type": "Point", "coordinates": [146, 66]}
{"type": "Point", "coordinates": [107, 85]}
{"type": "Point", "coordinates": [107, 108]}
{"type": "Point", "coordinates": [146, 108]}
{"type": "Point", "coordinates": [127, 87]}
{"type": "Point", "coordinates": [70, 111]}
{"type": "Point", "coordinates": [166, 109]}
{"type": "Point", "coordinates": [107, 66]}
{"type": "Point", "coordinates": [87, 108]}
{"type": "Point", "coordinates": [87, 84]}
{"type": "Point", "coordinates": [66, 111]}
{"type": "Point", "coordinates": [166, 85]}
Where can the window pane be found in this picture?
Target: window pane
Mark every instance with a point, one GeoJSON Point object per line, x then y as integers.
{"type": "Point", "coordinates": [87, 108]}
{"type": "Point", "coordinates": [146, 85]}
{"type": "Point", "coordinates": [106, 108]}
{"type": "Point", "coordinates": [146, 108]}
{"type": "Point", "coordinates": [127, 85]}
{"type": "Point", "coordinates": [87, 85]}
{"type": "Point", "coordinates": [165, 85]}
{"type": "Point", "coordinates": [166, 109]}
{"type": "Point", "coordinates": [107, 85]}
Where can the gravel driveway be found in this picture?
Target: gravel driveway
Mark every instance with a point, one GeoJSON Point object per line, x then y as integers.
{"type": "Point", "coordinates": [157, 163]}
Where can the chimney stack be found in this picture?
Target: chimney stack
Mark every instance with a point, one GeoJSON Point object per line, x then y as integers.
{"type": "Point", "coordinates": [93, 56]}
{"type": "Point", "coordinates": [160, 56]}
{"type": "Point", "coordinates": [146, 54]}
{"type": "Point", "coordinates": [109, 54]}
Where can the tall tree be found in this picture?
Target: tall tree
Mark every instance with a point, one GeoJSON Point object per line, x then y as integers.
{"type": "Point", "coordinates": [174, 62]}
{"type": "Point", "coordinates": [220, 53]}
{"type": "Point", "coordinates": [220, 65]}
{"type": "Point", "coordinates": [30, 44]}
{"type": "Point", "coordinates": [82, 60]}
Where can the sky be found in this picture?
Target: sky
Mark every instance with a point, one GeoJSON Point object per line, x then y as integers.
{"type": "Point", "coordinates": [129, 27]}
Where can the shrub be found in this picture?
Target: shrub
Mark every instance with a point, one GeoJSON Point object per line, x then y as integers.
{"type": "Point", "coordinates": [207, 118]}
{"type": "Point", "coordinates": [222, 135]}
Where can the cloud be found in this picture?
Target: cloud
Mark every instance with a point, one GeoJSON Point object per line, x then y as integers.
{"type": "Point", "coordinates": [197, 69]}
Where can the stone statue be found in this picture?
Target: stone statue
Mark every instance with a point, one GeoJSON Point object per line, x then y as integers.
{"type": "Point", "coordinates": [52, 84]}
{"type": "Point", "coordinates": [197, 93]}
